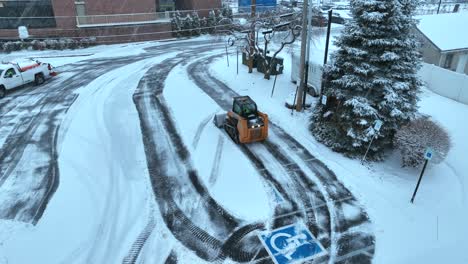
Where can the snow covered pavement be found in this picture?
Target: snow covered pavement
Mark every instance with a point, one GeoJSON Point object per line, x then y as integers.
{"type": "Point", "coordinates": [124, 165]}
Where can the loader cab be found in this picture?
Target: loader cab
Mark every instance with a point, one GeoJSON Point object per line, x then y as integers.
{"type": "Point", "coordinates": [245, 107]}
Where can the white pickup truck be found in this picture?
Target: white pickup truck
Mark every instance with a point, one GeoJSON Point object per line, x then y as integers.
{"type": "Point", "coordinates": [17, 74]}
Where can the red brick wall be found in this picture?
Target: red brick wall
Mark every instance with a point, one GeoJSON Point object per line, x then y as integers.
{"type": "Point", "coordinates": [103, 7]}
{"type": "Point", "coordinates": [65, 13]}
{"type": "Point", "coordinates": [207, 5]}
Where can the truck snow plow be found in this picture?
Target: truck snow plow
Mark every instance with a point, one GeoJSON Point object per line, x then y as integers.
{"type": "Point", "coordinates": [244, 123]}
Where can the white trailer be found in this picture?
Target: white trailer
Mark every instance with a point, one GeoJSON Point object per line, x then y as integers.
{"type": "Point", "coordinates": [17, 74]}
{"type": "Point", "coordinates": [315, 74]}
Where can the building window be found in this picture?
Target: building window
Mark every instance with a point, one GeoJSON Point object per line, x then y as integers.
{"type": "Point", "coordinates": [29, 13]}
{"type": "Point", "coordinates": [165, 5]}
{"type": "Point", "coordinates": [448, 61]}
{"type": "Point", "coordinates": [81, 13]}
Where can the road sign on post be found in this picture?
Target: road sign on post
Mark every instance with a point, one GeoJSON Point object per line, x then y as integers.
{"type": "Point", "coordinates": [378, 124]}
{"type": "Point", "coordinates": [324, 99]}
{"type": "Point", "coordinates": [291, 244]}
{"type": "Point", "coordinates": [427, 156]}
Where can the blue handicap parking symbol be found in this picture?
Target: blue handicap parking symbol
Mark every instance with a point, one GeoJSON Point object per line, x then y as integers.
{"type": "Point", "coordinates": [291, 244]}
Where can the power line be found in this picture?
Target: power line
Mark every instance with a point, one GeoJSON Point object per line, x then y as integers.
{"type": "Point", "coordinates": [129, 14]}
{"type": "Point", "coordinates": [135, 34]}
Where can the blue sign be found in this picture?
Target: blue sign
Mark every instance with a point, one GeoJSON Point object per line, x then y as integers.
{"type": "Point", "coordinates": [262, 5]}
{"type": "Point", "coordinates": [428, 154]}
{"type": "Point", "coordinates": [291, 244]}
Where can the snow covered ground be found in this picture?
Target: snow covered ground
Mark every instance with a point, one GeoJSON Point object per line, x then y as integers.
{"type": "Point", "coordinates": [405, 232]}
{"type": "Point", "coordinates": [145, 177]}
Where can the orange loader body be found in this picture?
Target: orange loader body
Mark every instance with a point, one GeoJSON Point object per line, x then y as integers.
{"type": "Point", "coordinates": [249, 134]}
{"type": "Point", "coordinates": [244, 123]}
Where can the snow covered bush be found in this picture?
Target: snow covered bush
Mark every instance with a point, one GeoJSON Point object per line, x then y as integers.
{"type": "Point", "coordinates": [71, 43]}
{"type": "Point", "coordinates": [38, 45]}
{"type": "Point", "coordinates": [413, 139]}
{"type": "Point", "coordinates": [227, 11]}
{"type": "Point", "coordinates": [211, 22]}
{"type": "Point", "coordinates": [176, 24]}
{"type": "Point", "coordinates": [196, 24]}
{"type": "Point", "coordinates": [187, 25]}
{"type": "Point", "coordinates": [85, 42]}
{"type": "Point", "coordinates": [10, 46]}
{"type": "Point", "coordinates": [51, 43]}
{"type": "Point", "coordinates": [373, 76]}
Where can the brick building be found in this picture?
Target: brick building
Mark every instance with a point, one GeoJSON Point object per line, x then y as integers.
{"type": "Point", "coordinates": [107, 20]}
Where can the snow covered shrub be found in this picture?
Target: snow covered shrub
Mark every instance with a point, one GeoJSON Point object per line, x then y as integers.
{"type": "Point", "coordinates": [203, 25]}
{"type": "Point", "coordinates": [51, 43]}
{"type": "Point", "coordinates": [413, 139]}
{"type": "Point", "coordinates": [19, 45]}
{"type": "Point", "coordinates": [211, 22]}
{"type": "Point", "coordinates": [7, 46]}
{"type": "Point", "coordinates": [92, 41]}
{"type": "Point", "coordinates": [84, 43]}
{"type": "Point", "coordinates": [70, 43]}
{"type": "Point", "coordinates": [187, 25]}
{"type": "Point", "coordinates": [35, 45]}
{"type": "Point", "coordinates": [227, 11]}
{"type": "Point", "coordinates": [176, 24]}
{"type": "Point", "coordinates": [196, 24]}
{"type": "Point", "coordinates": [372, 76]}
{"type": "Point", "coordinates": [61, 44]}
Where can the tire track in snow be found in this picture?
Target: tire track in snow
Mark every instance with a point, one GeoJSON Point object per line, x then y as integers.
{"type": "Point", "coordinates": [159, 122]}
{"type": "Point", "coordinates": [217, 161]}
{"type": "Point", "coordinates": [172, 258]}
{"type": "Point", "coordinates": [332, 189]}
{"type": "Point", "coordinates": [138, 244]}
{"type": "Point", "coordinates": [168, 149]}
{"type": "Point", "coordinates": [199, 131]}
{"type": "Point", "coordinates": [34, 128]}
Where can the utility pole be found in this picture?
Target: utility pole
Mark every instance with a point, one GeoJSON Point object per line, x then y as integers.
{"type": "Point", "coordinates": [253, 8]}
{"type": "Point", "coordinates": [309, 37]}
{"type": "Point", "coordinates": [438, 8]}
{"type": "Point", "coordinates": [300, 92]}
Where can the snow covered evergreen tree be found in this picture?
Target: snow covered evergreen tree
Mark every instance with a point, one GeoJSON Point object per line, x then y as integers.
{"type": "Point", "coordinates": [211, 21]}
{"type": "Point", "coordinates": [187, 25]}
{"type": "Point", "coordinates": [373, 77]}
{"type": "Point", "coordinates": [204, 25]}
{"type": "Point", "coordinates": [196, 23]}
{"type": "Point", "coordinates": [176, 24]}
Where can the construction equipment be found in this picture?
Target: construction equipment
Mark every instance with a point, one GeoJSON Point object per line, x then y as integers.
{"type": "Point", "coordinates": [244, 123]}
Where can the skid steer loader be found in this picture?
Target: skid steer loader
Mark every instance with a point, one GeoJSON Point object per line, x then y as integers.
{"type": "Point", "coordinates": [244, 123]}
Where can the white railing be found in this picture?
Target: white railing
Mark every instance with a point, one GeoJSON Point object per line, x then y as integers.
{"type": "Point", "coordinates": [122, 19]}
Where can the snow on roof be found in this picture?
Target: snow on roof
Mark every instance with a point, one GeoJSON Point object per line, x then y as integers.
{"type": "Point", "coordinates": [446, 31]}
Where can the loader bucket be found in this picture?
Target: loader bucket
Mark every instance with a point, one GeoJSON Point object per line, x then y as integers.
{"type": "Point", "coordinates": [219, 120]}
